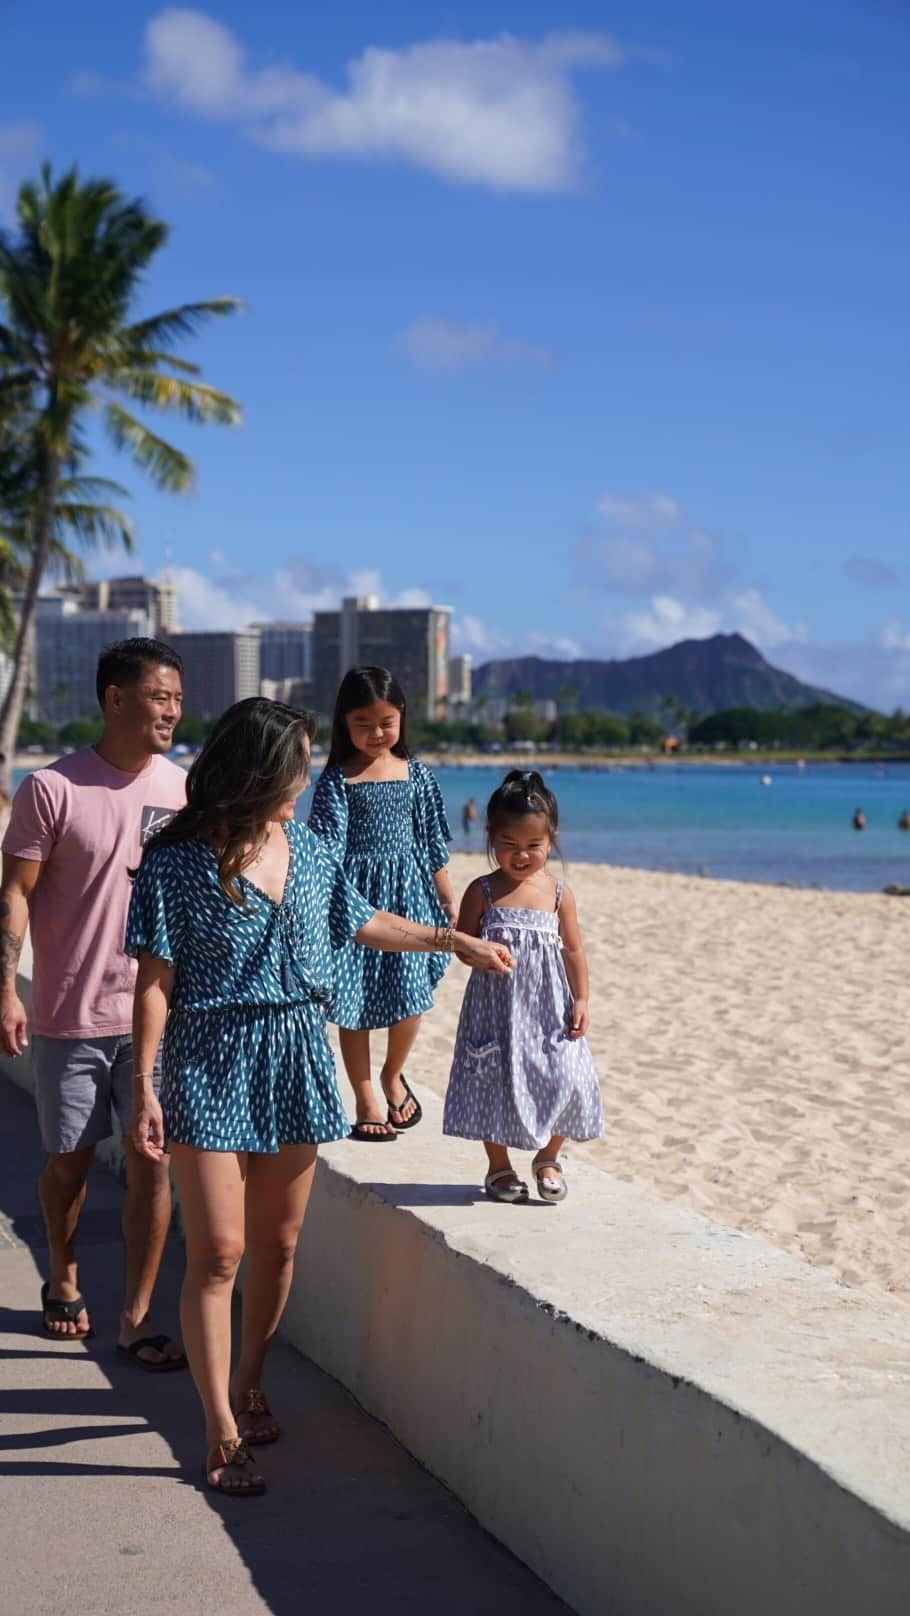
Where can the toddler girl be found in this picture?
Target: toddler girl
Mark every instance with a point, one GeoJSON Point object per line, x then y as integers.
{"type": "Point", "coordinates": [381, 814]}
{"type": "Point", "coordinates": [522, 1075]}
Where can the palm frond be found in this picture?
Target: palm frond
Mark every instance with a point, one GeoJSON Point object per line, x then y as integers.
{"type": "Point", "coordinates": [180, 322]}
{"type": "Point", "coordinates": [194, 400]}
{"type": "Point", "coordinates": [166, 465]}
{"type": "Point", "coordinates": [91, 488]}
{"type": "Point", "coordinates": [95, 525]}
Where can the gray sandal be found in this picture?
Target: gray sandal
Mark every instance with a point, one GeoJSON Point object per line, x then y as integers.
{"type": "Point", "coordinates": [497, 1191]}
{"type": "Point", "coordinates": [549, 1192]}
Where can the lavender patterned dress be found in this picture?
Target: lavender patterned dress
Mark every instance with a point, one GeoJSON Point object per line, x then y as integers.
{"type": "Point", "coordinates": [517, 1077]}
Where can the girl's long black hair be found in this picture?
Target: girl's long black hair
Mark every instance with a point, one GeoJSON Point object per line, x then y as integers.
{"type": "Point", "coordinates": [522, 792]}
{"type": "Point", "coordinates": [360, 687]}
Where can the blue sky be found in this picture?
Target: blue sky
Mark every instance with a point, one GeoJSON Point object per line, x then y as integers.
{"type": "Point", "coordinates": [588, 320]}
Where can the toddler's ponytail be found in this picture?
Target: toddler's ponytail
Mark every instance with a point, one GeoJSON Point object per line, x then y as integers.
{"type": "Point", "coordinates": [523, 791]}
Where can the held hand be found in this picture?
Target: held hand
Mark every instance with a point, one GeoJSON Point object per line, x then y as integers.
{"type": "Point", "coordinates": [483, 956]}
{"type": "Point", "coordinates": [580, 1019]}
{"type": "Point", "coordinates": [450, 910]}
{"type": "Point", "coordinates": [13, 1038]}
{"type": "Point", "coordinates": [147, 1126]}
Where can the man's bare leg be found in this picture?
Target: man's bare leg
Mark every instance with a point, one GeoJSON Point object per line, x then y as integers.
{"type": "Point", "coordinates": [61, 1190]}
{"type": "Point", "coordinates": [146, 1220]}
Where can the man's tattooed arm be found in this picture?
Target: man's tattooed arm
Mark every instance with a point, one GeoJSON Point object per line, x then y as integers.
{"type": "Point", "coordinates": [10, 942]}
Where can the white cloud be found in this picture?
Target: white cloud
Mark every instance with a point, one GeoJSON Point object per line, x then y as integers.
{"type": "Point", "coordinates": [20, 151]}
{"type": "Point", "coordinates": [499, 113]}
{"type": "Point", "coordinates": [470, 633]}
{"type": "Point", "coordinates": [647, 544]}
{"type": "Point", "coordinates": [444, 348]}
{"type": "Point", "coordinates": [291, 593]}
{"type": "Point", "coordinates": [641, 510]}
{"type": "Point", "coordinates": [555, 646]}
{"type": "Point", "coordinates": [751, 615]}
{"type": "Point", "coordinates": [204, 604]}
{"type": "Point", "coordinates": [666, 619]}
{"type": "Point", "coordinates": [894, 637]}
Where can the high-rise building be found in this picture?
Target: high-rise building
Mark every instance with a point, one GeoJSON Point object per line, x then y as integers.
{"type": "Point", "coordinates": [460, 684]}
{"type": "Point", "coordinates": [285, 650]}
{"type": "Point", "coordinates": [219, 668]}
{"type": "Point", "coordinates": [411, 641]}
{"type": "Point", "coordinates": [69, 639]}
{"type": "Point", "coordinates": [156, 599]}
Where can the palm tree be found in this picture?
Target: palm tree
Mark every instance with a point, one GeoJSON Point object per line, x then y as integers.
{"type": "Point", "coordinates": [79, 515]}
{"type": "Point", "coordinates": [69, 282]}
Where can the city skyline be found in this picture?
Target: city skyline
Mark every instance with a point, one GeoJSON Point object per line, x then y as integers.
{"type": "Point", "coordinates": [602, 346]}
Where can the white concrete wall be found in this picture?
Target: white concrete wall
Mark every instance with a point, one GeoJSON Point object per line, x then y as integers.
{"type": "Point", "coordinates": [661, 1416]}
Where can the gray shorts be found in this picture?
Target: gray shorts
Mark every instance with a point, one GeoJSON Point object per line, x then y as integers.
{"type": "Point", "coordinates": [81, 1084]}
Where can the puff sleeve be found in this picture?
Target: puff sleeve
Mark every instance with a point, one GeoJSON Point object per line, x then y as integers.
{"type": "Point", "coordinates": [431, 825]}
{"type": "Point", "coordinates": [157, 917]}
{"type": "Point", "coordinates": [329, 813]}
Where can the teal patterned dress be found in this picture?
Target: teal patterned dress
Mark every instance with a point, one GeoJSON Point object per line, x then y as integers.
{"type": "Point", "coordinates": [246, 1062]}
{"type": "Point", "coordinates": [390, 838]}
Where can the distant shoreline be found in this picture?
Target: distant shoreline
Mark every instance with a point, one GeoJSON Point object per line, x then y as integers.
{"type": "Point", "coordinates": [586, 761]}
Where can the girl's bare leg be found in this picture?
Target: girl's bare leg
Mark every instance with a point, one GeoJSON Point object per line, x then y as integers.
{"type": "Point", "coordinates": [277, 1191]}
{"type": "Point", "coordinates": [355, 1052]}
{"type": "Point", "coordinates": [401, 1039]}
{"type": "Point", "coordinates": [211, 1188]}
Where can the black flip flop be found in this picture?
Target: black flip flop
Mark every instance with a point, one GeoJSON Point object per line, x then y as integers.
{"type": "Point", "coordinates": [68, 1311]}
{"type": "Point", "coordinates": [358, 1132]}
{"type": "Point", "coordinates": [416, 1114]}
{"type": "Point", "coordinates": [163, 1366]}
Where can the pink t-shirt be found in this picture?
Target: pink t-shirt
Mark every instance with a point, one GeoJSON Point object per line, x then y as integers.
{"type": "Point", "coordinates": [87, 823]}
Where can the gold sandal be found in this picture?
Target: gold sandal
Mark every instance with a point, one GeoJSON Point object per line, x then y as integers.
{"type": "Point", "coordinates": [222, 1456]}
{"type": "Point", "coordinates": [255, 1404]}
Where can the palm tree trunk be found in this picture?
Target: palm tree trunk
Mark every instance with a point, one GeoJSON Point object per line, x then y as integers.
{"type": "Point", "coordinates": [14, 700]}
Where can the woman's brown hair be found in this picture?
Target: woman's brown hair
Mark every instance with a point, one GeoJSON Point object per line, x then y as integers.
{"type": "Point", "coordinates": [255, 759]}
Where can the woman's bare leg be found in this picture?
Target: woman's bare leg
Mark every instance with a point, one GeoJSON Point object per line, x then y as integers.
{"type": "Point", "coordinates": [211, 1188]}
{"type": "Point", "coordinates": [401, 1040]}
{"type": "Point", "coordinates": [355, 1052]}
{"type": "Point", "coordinates": [277, 1191]}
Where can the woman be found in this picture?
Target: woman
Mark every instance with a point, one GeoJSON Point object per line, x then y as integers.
{"type": "Point", "coordinates": [235, 915]}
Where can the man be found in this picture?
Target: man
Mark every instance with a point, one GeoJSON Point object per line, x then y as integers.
{"type": "Point", "coordinates": [75, 831]}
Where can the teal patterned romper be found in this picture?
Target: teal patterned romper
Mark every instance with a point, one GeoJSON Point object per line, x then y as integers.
{"type": "Point", "coordinates": [390, 838]}
{"type": "Point", "coordinates": [246, 1063]}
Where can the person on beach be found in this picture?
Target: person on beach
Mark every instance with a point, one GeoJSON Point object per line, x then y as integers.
{"type": "Point", "coordinates": [74, 831]}
{"type": "Point", "coordinates": [239, 918]}
{"type": "Point", "coordinates": [381, 815]}
{"type": "Point", "coordinates": [522, 1075]}
{"type": "Point", "coordinates": [468, 820]}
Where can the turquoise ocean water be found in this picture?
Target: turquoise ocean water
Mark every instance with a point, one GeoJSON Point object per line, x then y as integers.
{"type": "Point", "coordinates": [721, 821]}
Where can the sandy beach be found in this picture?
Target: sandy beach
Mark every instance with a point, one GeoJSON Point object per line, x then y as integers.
{"type": "Point", "coordinates": [754, 1052]}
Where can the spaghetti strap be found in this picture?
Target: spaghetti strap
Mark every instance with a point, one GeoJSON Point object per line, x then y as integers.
{"type": "Point", "coordinates": [485, 884]}
{"type": "Point", "coordinates": [559, 890]}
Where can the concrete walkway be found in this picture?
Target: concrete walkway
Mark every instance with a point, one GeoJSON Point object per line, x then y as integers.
{"type": "Point", "coordinates": [102, 1504]}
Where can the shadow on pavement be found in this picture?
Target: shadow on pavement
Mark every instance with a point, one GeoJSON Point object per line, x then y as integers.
{"type": "Point", "coordinates": [350, 1517]}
